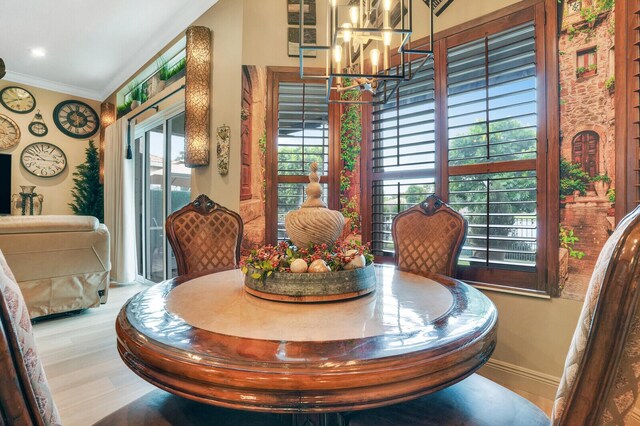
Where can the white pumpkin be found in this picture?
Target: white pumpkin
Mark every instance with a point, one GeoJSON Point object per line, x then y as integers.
{"type": "Point", "coordinates": [319, 266]}
{"type": "Point", "coordinates": [299, 266]}
{"type": "Point", "coordinates": [357, 262]}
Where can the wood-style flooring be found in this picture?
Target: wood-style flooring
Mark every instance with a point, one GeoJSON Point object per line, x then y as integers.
{"type": "Point", "coordinates": [86, 375]}
{"type": "Point", "coordinates": [87, 378]}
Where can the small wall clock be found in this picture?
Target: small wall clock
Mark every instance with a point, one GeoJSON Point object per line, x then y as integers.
{"type": "Point", "coordinates": [37, 126]}
{"type": "Point", "coordinates": [43, 159]}
{"type": "Point", "coordinates": [76, 119]}
{"type": "Point", "coordinates": [17, 99]}
{"type": "Point", "coordinates": [9, 133]}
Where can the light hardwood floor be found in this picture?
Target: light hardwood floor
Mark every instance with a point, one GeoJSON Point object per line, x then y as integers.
{"type": "Point", "coordinates": [86, 375]}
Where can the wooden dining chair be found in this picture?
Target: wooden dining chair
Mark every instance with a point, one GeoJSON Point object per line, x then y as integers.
{"type": "Point", "coordinates": [429, 237]}
{"type": "Point", "coordinates": [600, 384]}
{"type": "Point", "coordinates": [205, 236]}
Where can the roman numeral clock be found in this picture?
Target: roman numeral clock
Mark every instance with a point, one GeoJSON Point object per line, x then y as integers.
{"type": "Point", "coordinates": [76, 119]}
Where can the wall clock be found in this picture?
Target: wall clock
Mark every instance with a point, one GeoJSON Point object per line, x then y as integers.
{"type": "Point", "coordinates": [17, 99]}
{"type": "Point", "coordinates": [37, 126]}
{"type": "Point", "coordinates": [76, 119]}
{"type": "Point", "coordinates": [43, 159]}
{"type": "Point", "coordinates": [9, 133]}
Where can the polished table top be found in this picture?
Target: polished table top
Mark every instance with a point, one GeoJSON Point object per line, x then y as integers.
{"type": "Point", "coordinates": [207, 339]}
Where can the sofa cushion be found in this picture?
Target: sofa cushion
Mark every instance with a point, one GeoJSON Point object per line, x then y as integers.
{"type": "Point", "coordinates": [50, 223]}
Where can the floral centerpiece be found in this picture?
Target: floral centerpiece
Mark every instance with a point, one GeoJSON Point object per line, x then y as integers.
{"type": "Point", "coordinates": [315, 266]}
{"type": "Point", "coordinates": [319, 258]}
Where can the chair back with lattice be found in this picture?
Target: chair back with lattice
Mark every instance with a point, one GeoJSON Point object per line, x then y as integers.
{"type": "Point", "coordinates": [429, 237]}
{"type": "Point", "coordinates": [600, 383]}
{"type": "Point", "coordinates": [25, 397]}
{"type": "Point", "coordinates": [205, 236]}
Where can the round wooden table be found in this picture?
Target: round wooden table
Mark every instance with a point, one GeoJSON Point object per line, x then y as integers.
{"type": "Point", "coordinates": [207, 339]}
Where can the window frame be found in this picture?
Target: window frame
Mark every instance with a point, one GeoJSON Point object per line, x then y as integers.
{"type": "Point", "coordinates": [582, 55]}
{"type": "Point", "coordinates": [544, 13]}
{"type": "Point", "coordinates": [275, 76]}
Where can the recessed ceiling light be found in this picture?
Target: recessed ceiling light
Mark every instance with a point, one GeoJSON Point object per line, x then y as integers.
{"type": "Point", "coordinates": [38, 52]}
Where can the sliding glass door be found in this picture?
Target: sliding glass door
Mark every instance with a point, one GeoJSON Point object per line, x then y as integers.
{"type": "Point", "coordinates": [163, 185]}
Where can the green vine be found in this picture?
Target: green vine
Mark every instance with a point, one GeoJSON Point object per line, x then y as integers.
{"type": "Point", "coordinates": [590, 16]}
{"type": "Point", "coordinates": [350, 140]}
{"type": "Point", "coordinates": [262, 145]}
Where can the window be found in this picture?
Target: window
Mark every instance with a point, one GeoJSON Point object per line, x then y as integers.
{"type": "Point", "coordinates": [586, 62]}
{"type": "Point", "coordinates": [300, 129]}
{"type": "Point", "coordinates": [163, 185]}
{"type": "Point", "coordinates": [472, 127]}
{"type": "Point", "coordinates": [403, 171]}
{"type": "Point", "coordinates": [492, 119]}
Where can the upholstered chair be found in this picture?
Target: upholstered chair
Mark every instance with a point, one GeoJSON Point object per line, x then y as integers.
{"type": "Point", "coordinates": [429, 237]}
{"type": "Point", "coordinates": [205, 236]}
{"type": "Point", "coordinates": [25, 397]}
{"type": "Point", "coordinates": [600, 383]}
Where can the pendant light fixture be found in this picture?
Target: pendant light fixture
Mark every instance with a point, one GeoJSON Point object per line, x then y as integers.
{"type": "Point", "coordinates": [362, 37]}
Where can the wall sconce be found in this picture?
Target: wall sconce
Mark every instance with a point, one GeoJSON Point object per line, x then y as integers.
{"type": "Point", "coordinates": [107, 117]}
{"type": "Point", "coordinates": [197, 96]}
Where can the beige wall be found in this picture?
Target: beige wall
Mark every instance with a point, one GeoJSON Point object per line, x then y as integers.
{"type": "Point", "coordinates": [56, 190]}
{"type": "Point", "coordinates": [226, 22]}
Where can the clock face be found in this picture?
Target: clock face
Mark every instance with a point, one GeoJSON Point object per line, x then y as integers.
{"type": "Point", "coordinates": [17, 99]}
{"type": "Point", "coordinates": [43, 159]}
{"type": "Point", "coordinates": [38, 129]}
{"type": "Point", "coordinates": [76, 119]}
{"type": "Point", "coordinates": [9, 133]}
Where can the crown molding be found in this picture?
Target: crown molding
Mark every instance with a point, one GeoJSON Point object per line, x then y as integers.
{"type": "Point", "coordinates": [176, 24]}
{"type": "Point", "coordinates": [43, 83]}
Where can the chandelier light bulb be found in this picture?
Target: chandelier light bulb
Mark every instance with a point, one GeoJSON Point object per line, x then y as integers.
{"type": "Point", "coordinates": [375, 58]}
{"type": "Point", "coordinates": [387, 5]}
{"type": "Point", "coordinates": [346, 32]}
{"type": "Point", "coordinates": [386, 37]}
{"type": "Point", "coordinates": [337, 53]}
{"type": "Point", "coordinates": [354, 13]}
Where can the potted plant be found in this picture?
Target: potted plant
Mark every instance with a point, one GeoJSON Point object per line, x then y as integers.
{"type": "Point", "coordinates": [601, 184]}
{"type": "Point", "coordinates": [158, 80]}
{"type": "Point", "coordinates": [135, 94]}
{"type": "Point", "coordinates": [611, 194]}
{"type": "Point", "coordinates": [573, 180]}
{"type": "Point", "coordinates": [175, 72]}
{"type": "Point", "coordinates": [610, 84]}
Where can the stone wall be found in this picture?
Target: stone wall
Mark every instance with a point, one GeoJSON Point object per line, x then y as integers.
{"type": "Point", "coordinates": [585, 103]}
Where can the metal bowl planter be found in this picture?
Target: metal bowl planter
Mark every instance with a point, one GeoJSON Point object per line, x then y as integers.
{"type": "Point", "coordinates": [312, 287]}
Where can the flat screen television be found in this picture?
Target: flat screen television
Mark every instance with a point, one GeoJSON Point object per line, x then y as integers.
{"type": "Point", "coordinates": [5, 183]}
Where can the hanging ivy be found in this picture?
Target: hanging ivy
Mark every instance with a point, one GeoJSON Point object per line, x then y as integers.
{"type": "Point", "coordinates": [350, 146]}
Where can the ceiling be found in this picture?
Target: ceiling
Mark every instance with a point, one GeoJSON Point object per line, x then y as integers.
{"type": "Point", "coordinates": [92, 46]}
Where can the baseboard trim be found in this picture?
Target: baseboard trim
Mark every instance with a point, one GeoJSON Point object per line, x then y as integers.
{"type": "Point", "coordinates": [515, 376]}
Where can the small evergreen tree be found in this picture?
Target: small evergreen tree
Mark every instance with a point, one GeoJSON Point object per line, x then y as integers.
{"type": "Point", "coordinates": [88, 195]}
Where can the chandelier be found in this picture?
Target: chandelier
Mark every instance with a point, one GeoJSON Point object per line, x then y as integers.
{"type": "Point", "coordinates": [362, 38]}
